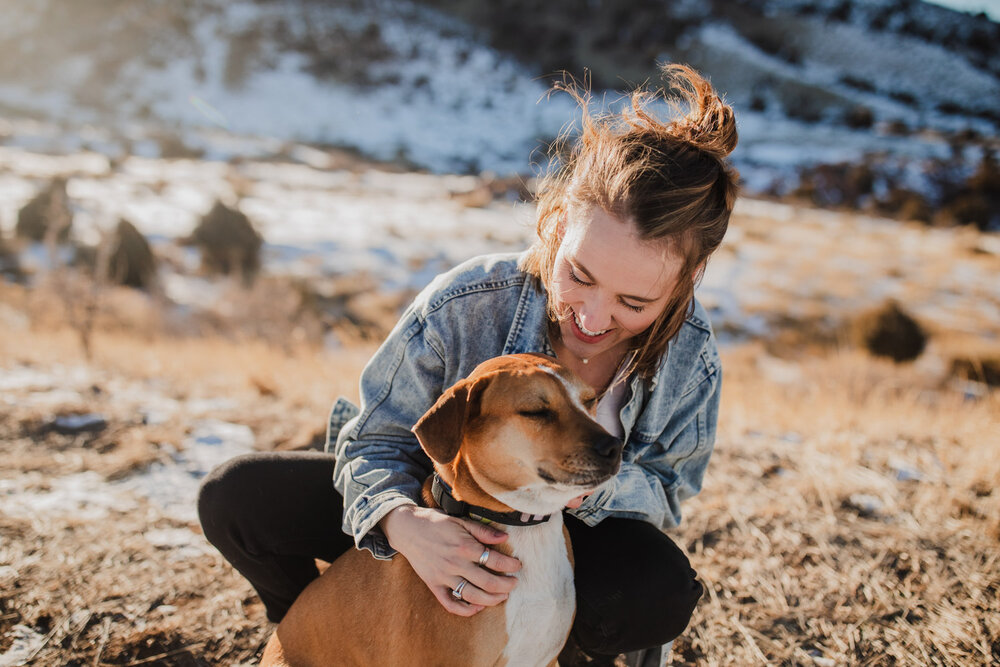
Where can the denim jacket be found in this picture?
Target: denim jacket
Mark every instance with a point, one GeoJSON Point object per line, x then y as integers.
{"type": "Point", "coordinates": [482, 309]}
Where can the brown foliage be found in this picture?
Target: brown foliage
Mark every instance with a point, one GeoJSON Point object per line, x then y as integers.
{"type": "Point", "coordinates": [228, 242]}
{"type": "Point", "coordinates": [46, 214]}
{"type": "Point", "coordinates": [889, 331]}
{"type": "Point", "coordinates": [130, 259]}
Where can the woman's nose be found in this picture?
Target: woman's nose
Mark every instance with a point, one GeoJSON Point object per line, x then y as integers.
{"type": "Point", "coordinates": [594, 316]}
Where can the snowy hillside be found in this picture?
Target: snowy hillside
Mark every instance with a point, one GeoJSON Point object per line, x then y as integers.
{"type": "Point", "coordinates": [905, 87]}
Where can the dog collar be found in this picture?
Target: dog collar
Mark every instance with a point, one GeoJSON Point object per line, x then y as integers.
{"type": "Point", "coordinates": [451, 506]}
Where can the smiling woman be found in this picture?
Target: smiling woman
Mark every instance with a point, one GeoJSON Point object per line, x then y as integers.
{"type": "Point", "coordinates": [625, 229]}
{"type": "Point", "coordinates": [608, 287]}
{"type": "Point", "coordinates": [668, 179]}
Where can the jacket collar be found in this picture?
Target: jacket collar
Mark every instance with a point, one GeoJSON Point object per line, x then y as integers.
{"type": "Point", "coordinates": [530, 330]}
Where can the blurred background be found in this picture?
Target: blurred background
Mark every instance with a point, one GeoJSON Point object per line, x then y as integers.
{"type": "Point", "coordinates": [212, 211]}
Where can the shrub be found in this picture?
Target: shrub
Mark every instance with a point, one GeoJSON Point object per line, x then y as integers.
{"type": "Point", "coordinates": [859, 117]}
{"type": "Point", "coordinates": [10, 263]}
{"type": "Point", "coordinates": [981, 368]}
{"type": "Point", "coordinates": [888, 331]}
{"type": "Point", "coordinates": [130, 259]}
{"type": "Point", "coordinates": [47, 213]}
{"type": "Point", "coordinates": [228, 242]}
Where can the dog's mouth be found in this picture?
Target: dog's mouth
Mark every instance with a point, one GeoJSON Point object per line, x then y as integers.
{"type": "Point", "coordinates": [576, 478]}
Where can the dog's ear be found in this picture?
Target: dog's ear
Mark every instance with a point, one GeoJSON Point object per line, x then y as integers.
{"type": "Point", "coordinates": [440, 429]}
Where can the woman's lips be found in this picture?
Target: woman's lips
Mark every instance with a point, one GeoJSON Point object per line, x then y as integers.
{"type": "Point", "coordinates": [582, 336]}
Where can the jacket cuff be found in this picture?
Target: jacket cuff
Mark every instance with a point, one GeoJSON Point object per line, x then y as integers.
{"type": "Point", "coordinates": [592, 511]}
{"type": "Point", "coordinates": [371, 510]}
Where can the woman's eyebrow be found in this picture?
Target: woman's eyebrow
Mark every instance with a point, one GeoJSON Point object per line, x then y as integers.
{"type": "Point", "coordinates": [582, 269]}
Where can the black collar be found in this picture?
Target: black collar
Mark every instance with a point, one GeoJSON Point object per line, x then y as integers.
{"type": "Point", "coordinates": [453, 507]}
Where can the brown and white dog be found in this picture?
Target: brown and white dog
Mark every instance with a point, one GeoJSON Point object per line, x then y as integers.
{"type": "Point", "coordinates": [515, 438]}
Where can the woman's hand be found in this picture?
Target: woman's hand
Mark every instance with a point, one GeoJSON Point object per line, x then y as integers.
{"type": "Point", "coordinates": [444, 550]}
{"type": "Point", "coordinates": [576, 502]}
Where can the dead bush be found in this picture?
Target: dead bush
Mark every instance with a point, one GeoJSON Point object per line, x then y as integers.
{"type": "Point", "coordinates": [836, 185]}
{"type": "Point", "coordinates": [228, 242]}
{"type": "Point", "coordinates": [10, 263]}
{"type": "Point", "coordinates": [354, 306]}
{"type": "Point", "coordinates": [130, 260]}
{"type": "Point", "coordinates": [859, 117]}
{"type": "Point", "coordinates": [906, 205]}
{"type": "Point", "coordinates": [47, 215]}
{"type": "Point", "coordinates": [977, 201]}
{"type": "Point", "coordinates": [888, 331]}
{"type": "Point", "coordinates": [173, 147]}
{"type": "Point", "coordinates": [979, 362]}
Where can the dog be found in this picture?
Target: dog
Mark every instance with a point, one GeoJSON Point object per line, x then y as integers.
{"type": "Point", "coordinates": [514, 442]}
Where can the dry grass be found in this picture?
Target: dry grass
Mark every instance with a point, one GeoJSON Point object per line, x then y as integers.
{"type": "Point", "coordinates": [849, 515]}
{"type": "Point", "coordinates": [97, 589]}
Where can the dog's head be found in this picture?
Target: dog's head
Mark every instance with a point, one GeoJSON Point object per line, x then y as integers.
{"type": "Point", "coordinates": [519, 431]}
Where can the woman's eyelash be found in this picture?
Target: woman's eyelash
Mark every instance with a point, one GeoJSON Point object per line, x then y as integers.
{"type": "Point", "coordinates": [579, 281]}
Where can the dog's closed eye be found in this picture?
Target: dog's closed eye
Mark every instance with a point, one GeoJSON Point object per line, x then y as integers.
{"type": "Point", "coordinates": [540, 414]}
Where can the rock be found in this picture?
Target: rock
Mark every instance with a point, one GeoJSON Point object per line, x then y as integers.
{"type": "Point", "coordinates": [228, 242]}
{"type": "Point", "coordinates": [73, 424]}
{"type": "Point", "coordinates": [130, 259]}
{"type": "Point", "coordinates": [978, 366]}
{"type": "Point", "coordinates": [888, 331]}
{"type": "Point", "coordinates": [10, 263]}
{"type": "Point", "coordinates": [865, 504]}
{"type": "Point", "coordinates": [47, 213]}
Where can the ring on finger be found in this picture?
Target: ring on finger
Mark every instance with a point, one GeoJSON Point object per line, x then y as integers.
{"type": "Point", "coordinates": [485, 556]}
{"type": "Point", "coordinates": [457, 591]}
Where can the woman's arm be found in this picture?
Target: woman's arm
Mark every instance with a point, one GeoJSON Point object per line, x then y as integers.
{"type": "Point", "coordinates": [381, 468]}
{"type": "Point", "coordinates": [380, 465]}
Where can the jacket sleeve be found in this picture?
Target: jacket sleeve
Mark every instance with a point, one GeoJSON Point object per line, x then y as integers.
{"type": "Point", "coordinates": [380, 464]}
{"type": "Point", "coordinates": [656, 477]}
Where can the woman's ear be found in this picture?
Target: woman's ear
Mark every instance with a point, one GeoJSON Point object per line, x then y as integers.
{"type": "Point", "coordinates": [699, 272]}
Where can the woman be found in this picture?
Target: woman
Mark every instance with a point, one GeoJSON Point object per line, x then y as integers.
{"type": "Point", "coordinates": [625, 228]}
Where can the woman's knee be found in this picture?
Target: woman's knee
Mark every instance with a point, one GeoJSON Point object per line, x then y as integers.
{"type": "Point", "coordinates": [223, 493]}
{"type": "Point", "coordinates": [679, 596]}
{"type": "Point", "coordinates": [650, 599]}
{"type": "Point", "coordinates": [670, 591]}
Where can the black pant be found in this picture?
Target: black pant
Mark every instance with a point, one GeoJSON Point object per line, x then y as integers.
{"type": "Point", "coordinates": [272, 514]}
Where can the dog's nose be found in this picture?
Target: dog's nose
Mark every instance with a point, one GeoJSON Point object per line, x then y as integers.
{"type": "Point", "coordinates": [607, 446]}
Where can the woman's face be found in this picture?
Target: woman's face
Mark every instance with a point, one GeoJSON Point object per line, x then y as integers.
{"type": "Point", "coordinates": [608, 285]}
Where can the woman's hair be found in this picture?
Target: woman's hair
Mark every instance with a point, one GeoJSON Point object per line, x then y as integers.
{"type": "Point", "coordinates": [667, 176]}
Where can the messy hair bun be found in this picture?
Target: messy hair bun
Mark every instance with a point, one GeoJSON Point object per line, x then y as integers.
{"type": "Point", "coordinates": [709, 124]}
{"type": "Point", "coordinates": [661, 167]}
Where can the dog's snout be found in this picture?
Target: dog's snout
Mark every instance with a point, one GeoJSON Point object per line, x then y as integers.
{"type": "Point", "coordinates": [607, 446]}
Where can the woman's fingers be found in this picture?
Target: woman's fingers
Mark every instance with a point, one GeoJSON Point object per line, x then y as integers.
{"type": "Point", "coordinates": [457, 607]}
{"type": "Point", "coordinates": [486, 536]}
{"type": "Point", "coordinates": [498, 562]}
{"type": "Point", "coordinates": [492, 584]}
{"type": "Point", "coordinates": [444, 551]}
{"type": "Point", "coordinates": [474, 595]}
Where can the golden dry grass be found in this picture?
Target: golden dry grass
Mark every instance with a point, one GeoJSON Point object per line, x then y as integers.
{"type": "Point", "coordinates": [849, 516]}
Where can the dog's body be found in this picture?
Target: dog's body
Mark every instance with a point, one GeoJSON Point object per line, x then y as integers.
{"type": "Point", "coordinates": [516, 436]}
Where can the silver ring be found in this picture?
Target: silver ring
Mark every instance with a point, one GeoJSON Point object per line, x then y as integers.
{"type": "Point", "coordinates": [484, 557]}
{"type": "Point", "coordinates": [457, 591]}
